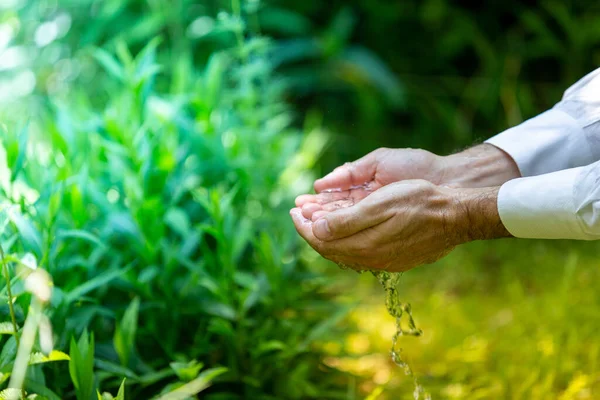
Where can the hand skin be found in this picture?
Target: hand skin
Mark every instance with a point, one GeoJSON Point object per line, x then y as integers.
{"type": "Point", "coordinates": [403, 225]}
{"type": "Point", "coordinates": [480, 166]}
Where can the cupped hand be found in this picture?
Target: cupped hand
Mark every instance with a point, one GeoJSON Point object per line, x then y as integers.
{"type": "Point", "coordinates": [382, 167]}
{"type": "Point", "coordinates": [352, 182]}
{"type": "Point", "coordinates": [396, 228]}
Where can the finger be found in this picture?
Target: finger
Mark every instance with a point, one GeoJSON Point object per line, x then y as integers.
{"type": "Point", "coordinates": [305, 198]}
{"type": "Point", "coordinates": [346, 222]}
{"type": "Point", "coordinates": [323, 198]}
{"type": "Point", "coordinates": [319, 214]}
{"type": "Point", "coordinates": [350, 174]}
{"type": "Point", "coordinates": [346, 248]}
{"type": "Point", "coordinates": [304, 227]}
{"type": "Point", "coordinates": [309, 208]}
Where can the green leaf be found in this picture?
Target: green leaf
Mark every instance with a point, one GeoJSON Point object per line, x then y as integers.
{"type": "Point", "coordinates": [9, 351]}
{"type": "Point", "coordinates": [79, 234]}
{"type": "Point", "coordinates": [111, 65]}
{"type": "Point", "coordinates": [10, 394]}
{"type": "Point", "coordinates": [121, 393]}
{"type": "Point", "coordinates": [124, 338]}
{"type": "Point", "coordinates": [271, 345]}
{"type": "Point", "coordinates": [194, 387]}
{"type": "Point", "coordinates": [115, 369]}
{"type": "Point", "coordinates": [30, 236]}
{"type": "Point", "coordinates": [40, 358]}
{"type": "Point", "coordinates": [178, 221]}
{"type": "Point", "coordinates": [4, 377]}
{"type": "Point", "coordinates": [22, 152]}
{"type": "Point", "coordinates": [376, 72]}
{"type": "Point", "coordinates": [323, 327]}
{"type": "Point", "coordinates": [6, 328]}
{"type": "Point", "coordinates": [213, 79]}
{"type": "Point", "coordinates": [39, 388]}
{"type": "Point", "coordinates": [187, 371]}
{"type": "Point", "coordinates": [94, 283]}
{"type": "Point", "coordinates": [81, 366]}
{"type": "Point", "coordinates": [218, 309]}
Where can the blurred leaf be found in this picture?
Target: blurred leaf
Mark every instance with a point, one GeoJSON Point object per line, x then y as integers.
{"type": "Point", "coordinates": [376, 72]}
{"type": "Point", "coordinates": [187, 371]}
{"type": "Point", "coordinates": [178, 220]}
{"type": "Point", "coordinates": [194, 387]}
{"type": "Point", "coordinates": [9, 352]}
{"type": "Point", "coordinates": [272, 345]}
{"type": "Point", "coordinates": [115, 369]}
{"type": "Point", "coordinates": [17, 152]}
{"type": "Point", "coordinates": [80, 234]}
{"type": "Point", "coordinates": [111, 65]}
{"type": "Point", "coordinates": [40, 358]}
{"type": "Point", "coordinates": [95, 283]}
{"type": "Point", "coordinates": [6, 328]}
{"type": "Point", "coordinates": [217, 309]}
{"type": "Point", "coordinates": [11, 394]}
{"type": "Point", "coordinates": [125, 331]}
{"type": "Point", "coordinates": [121, 393]}
{"type": "Point", "coordinates": [29, 235]}
{"type": "Point", "coordinates": [40, 389]}
{"type": "Point", "coordinates": [323, 327]}
{"type": "Point", "coordinates": [81, 366]}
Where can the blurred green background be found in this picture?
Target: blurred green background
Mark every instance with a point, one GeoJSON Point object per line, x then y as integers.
{"type": "Point", "coordinates": [266, 95]}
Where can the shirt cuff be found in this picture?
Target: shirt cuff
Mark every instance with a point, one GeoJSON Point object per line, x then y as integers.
{"type": "Point", "coordinates": [541, 207]}
{"type": "Point", "coordinates": [550, 142]}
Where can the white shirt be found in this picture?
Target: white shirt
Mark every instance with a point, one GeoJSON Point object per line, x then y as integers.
{"type": "Point", "coordinates": [558, 154]}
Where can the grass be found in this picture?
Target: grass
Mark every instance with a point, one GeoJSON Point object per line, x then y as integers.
{"type": "Point", "coordinates": [502, 320]}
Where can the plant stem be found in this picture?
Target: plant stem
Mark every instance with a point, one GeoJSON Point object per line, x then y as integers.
{"type": "Point", "coordinates": [10, 297]}
{"type": "Point", "coordinates": [17, 377]}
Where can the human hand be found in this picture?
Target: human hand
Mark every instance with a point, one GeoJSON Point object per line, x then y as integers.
{"type": "Point", "coordinates": [402, 225]}
{"type": "Point", "coordinates": [352, 182]}
{"type": "Point", "coordinates": [382, 167]}
{"type": "Point", "coordinates": [480, 166]}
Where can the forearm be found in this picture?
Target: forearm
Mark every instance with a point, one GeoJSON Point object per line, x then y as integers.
{"type": "Point", "coordinates": [560, 205]}
{"type": "Point", "coordinates": [480, 166]}
{"type": "Point", "coordinates": [476, 215]}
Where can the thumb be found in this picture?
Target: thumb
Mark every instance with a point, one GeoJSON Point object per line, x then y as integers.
{"type": "Point", "coordinates": [347, 222]}
{"type": "Point", "coordinates": [350, 174]}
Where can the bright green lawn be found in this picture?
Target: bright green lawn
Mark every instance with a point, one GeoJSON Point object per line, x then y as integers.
{"type": "Point", "coordinates": [508, 319]}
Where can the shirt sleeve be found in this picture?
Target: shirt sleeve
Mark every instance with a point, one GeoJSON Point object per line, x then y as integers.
{"type": "Point", "coordinates": [558, 205]}
{"type": "Point", "coordinates": [564, 137]}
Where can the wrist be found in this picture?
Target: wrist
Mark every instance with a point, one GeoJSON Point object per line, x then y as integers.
{"type": "Point", "coordinates": [480, 166]}
{"type": "Point", "coordinates": [476, 216]}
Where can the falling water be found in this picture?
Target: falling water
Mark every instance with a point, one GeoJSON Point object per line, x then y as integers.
{"type": "Point", "coordinates": [398, 310]}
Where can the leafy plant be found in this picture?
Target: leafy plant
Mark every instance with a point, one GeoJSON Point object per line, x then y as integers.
{"type": "Point", "coordinates": [160, 211]}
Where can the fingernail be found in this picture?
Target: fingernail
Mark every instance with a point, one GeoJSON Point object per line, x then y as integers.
{"type": "Point", "coordinates": [321, 229]}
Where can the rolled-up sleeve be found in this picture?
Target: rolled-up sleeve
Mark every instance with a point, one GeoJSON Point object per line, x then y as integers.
{"type": "Point", "coordinates": [558, 205]}
{"type": "Point", "coordinates": [566, 136]}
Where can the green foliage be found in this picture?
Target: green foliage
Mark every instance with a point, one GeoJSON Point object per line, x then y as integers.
{"type": "Point", "coordinates": [156, 195]}
{"type": "Point", "coordinates": [124, 339]}
{"type": "Point", "coordinates": [81, 366]}
{"type": "Point", "coordinates": [466, 70]}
